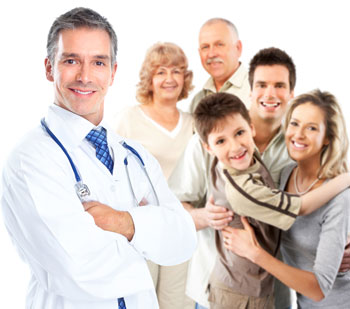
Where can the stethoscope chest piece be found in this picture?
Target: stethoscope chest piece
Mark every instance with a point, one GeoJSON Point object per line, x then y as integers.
{"type": "Point", "coordinates": [82, 191]}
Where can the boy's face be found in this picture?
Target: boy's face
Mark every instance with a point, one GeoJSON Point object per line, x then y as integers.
{"type": "Point", "coordinates": [232, 142]}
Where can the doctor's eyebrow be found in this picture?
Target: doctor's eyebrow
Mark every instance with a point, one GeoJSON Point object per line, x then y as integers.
{"type": "Point", "coordinates": [75, 55]}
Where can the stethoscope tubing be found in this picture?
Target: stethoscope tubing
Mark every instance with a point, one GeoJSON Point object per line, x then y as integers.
{"type": "Point", "coordinates": [81, 187]}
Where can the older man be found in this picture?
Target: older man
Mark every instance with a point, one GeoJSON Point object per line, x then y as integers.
{"type": "Point", "coordinates": [86, 242]}
{"type": "Point", "coordinates": [219, 50]}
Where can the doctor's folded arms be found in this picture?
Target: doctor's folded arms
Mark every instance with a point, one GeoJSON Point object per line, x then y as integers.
{"type": "Point", "coordinates": [84, 207]}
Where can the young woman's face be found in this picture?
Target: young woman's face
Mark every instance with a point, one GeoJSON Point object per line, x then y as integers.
{"type": "Point", "coordinates": [305, 135]}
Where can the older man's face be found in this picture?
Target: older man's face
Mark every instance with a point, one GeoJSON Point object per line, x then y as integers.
{"type": "Point", "coordinates": [219, 49]}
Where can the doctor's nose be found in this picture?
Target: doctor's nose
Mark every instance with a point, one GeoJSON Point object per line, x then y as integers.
{"type": "Point", "coordinates": [83, 75]}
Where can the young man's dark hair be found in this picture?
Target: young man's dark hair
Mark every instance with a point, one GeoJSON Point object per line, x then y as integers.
{"type": "Point", "coordinates": [273, 56]}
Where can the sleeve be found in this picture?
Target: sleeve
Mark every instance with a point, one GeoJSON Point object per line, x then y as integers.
{"type": "Point", "coordinates": [330, 249]}
{"type": "Point", "coordinates": [67, 253]}
{"type": "Point", "coordinates": [189, 178]}
{"type": "Point", "coordinates": [249, 196]}
{"type": "Point", "coordinates": [164, 234]}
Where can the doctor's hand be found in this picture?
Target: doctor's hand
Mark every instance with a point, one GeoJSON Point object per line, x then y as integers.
{"type": "Point", "coordinates": [110, 219]}
{"type": "Point", "coordinates": [241, 241]}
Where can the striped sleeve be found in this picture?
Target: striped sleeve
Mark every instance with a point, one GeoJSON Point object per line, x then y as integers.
{"type": "Point", "coordinates": [249, 196]}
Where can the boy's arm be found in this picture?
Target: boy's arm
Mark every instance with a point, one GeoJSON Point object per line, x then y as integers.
{"type": "Point", "coordinates": [249, 196]}
{"type": "Point", "coordinates": [323, 194]}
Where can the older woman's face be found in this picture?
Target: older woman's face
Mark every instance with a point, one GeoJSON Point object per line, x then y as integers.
{"type": "Point", "coordinates": [167, 83]}
{"type": "Point", "coordinates": [305, 135]}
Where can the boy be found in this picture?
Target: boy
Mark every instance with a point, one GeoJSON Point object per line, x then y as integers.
{"type": "Point", "coordinates": [224, 126]}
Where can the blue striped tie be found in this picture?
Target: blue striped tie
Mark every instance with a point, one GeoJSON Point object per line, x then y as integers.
{"type": "Point", "coordinates": [99, 139]}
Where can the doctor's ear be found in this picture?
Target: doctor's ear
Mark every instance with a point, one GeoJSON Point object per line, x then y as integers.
{"type": "Point", "coordinates": [49, 70]}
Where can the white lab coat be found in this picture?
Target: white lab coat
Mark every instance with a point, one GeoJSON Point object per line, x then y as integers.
{"type": "Point", "coordinates": [74, 263]}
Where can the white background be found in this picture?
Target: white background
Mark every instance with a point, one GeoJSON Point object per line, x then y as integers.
{"type": "Point", "coordinates": [314, 33]}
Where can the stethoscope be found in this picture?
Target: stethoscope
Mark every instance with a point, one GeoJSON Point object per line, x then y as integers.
{"type": "Point", "coordinates": [82, 189]}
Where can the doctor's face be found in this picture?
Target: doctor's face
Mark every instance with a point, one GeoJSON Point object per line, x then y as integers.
{"type": "Point", "coordinates": [82, 72]}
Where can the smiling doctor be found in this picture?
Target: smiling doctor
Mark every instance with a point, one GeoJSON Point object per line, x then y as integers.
{"type": "Point", "coordinates": [72, 188]}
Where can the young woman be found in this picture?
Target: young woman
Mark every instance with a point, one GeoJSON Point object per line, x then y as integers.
{"type": "Point", "coordinates": [313, 247]}
{"type": "Point", "coordinates": [164, 130]}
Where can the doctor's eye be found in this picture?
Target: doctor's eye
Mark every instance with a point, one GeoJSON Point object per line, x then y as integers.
{"type": "Point", "coordinates": [220, 141]}
{"type": "Point", "coordinates": [70, 61]}
{"type": "Point", "coordinates": [100, 63]}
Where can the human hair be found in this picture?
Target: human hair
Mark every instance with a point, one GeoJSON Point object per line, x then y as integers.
{"type": "Point", "coordinates": [215, 108]}
{"type": "Point", "coordinates": [79, 18]}
{"type": "Point", "coordinates": [272, 56]}
{"type": "Point", "coordinates": [211, 113]}
{"type": "Point", "coordinates": [333, 155]}
{"type": "Point", "coordinates": [221, 20]}
{"type": "Point", "coordinates": [162, 54]}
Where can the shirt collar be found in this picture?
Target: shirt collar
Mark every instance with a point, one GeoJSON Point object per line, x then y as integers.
{"type": "Point", "coordinates": [237, 79]}
{"type": "Point", "coordinates": [71, 129]}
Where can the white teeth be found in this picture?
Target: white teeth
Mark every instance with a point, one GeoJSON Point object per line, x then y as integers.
{"type": "Point", "coordinates": [239, 156]}
{"type": "Point", "coordinates": [298, 145]}
{"type": "Point", "coordinates": [270, 105]}
{"type": "Point", "coordinates": [82, 92]}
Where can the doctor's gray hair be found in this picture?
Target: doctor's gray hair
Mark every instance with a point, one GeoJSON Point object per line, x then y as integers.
{"type": "Point", "coordinates": [79, 18]}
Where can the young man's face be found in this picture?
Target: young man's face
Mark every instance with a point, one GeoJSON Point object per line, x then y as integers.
{"type": "Point", "coordinates": [219, 49]}
{"type": "Point", "coordinates": [270, 93]}
{"type": "Point", "coordinates": [232, 142]}
{"type": "Point", "coordinates": [82, 72]}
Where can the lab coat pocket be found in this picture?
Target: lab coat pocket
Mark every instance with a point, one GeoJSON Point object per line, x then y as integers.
{"type": "Point", "coordinates": [143, 195]}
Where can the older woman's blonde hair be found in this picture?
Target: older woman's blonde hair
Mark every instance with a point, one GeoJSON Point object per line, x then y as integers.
{"type": "Point", "coordinates": [162, 54]}
{"type": "Point", "coordinates": [334, 155]}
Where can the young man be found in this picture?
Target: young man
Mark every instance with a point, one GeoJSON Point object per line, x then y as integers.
{"type": "Point", "coordinates": [74, 263]}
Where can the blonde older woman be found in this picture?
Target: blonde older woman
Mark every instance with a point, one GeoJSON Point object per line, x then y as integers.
{"type": "Point", "coordinates": [164, 130]}
{"type": "Point", "coordinates": [313, 247]}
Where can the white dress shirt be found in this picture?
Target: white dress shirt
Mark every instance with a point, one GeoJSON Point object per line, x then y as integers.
{"type": "Point", "coordinates": [74, 263]}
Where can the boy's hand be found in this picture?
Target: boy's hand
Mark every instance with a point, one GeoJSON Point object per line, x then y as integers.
{"type": "Point", "coordinates": [218, 216]}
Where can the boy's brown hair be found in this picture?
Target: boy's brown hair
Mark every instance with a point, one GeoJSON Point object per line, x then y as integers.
{"type": "Point", "coordinates": [214, 108]}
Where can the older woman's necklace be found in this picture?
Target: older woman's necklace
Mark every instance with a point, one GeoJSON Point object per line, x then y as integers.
{"type": "Point", "coordinates": [296, 185]}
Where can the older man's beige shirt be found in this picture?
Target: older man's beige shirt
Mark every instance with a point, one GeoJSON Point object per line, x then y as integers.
{"type": "Point", "coordinates": [237, 84]}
